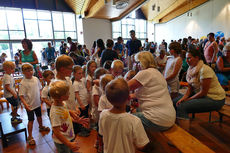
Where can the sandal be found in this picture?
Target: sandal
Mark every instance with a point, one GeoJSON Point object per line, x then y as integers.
{"type": "Point", "coordinates": [43, 128]}
{"type": "Point", "coordinates": [31, 141]}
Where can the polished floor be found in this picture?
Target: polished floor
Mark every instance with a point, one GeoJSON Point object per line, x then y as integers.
{"type": "Point", "coordinates": [214, 135]}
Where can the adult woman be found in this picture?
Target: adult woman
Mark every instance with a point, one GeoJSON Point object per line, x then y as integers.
{"type": "Point", "coordinates": [157, 110]}
{"type": "Point", "coordinates": [223, 66]}
{"type": "Point", "coordinates": [204, 92]}
{"type": "Point", "coordinates": [27, 55]}
{"type": "Point", "coordinates": [98, 50]}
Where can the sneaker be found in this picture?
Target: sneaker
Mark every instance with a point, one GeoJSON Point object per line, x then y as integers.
{"type": "Point", "coordinates": [83, 134]}
{"type": "Point", "coordinates": [43, 128]}
{"type": "Point", "coordinates": [16, 120]}
{"type": "Point", "coordinates": [16, 115]}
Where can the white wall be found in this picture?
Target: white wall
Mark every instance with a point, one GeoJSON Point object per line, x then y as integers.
{"type": "Point", "coordinates": [95, 29]}
{"type": "Point", "coordinates": [211, 16]}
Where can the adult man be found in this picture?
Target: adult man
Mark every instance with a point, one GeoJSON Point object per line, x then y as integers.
{"type": "Point", "coordinates": [210, 50]}
{"type": "Point", "coordinates": [165, 44]}
{"type": "Point", "coordinates": [134, 46]}
{"type": "Point", "coordinates": [73, 46]}
{"type": "Point", "coordinates": [147, 44]}
{"type": "Point", "coordinates": [50, 52]}
{"type": "Point", "coordinates": [108, 53]}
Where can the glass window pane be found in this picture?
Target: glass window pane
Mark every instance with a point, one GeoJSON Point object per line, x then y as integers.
{"type": "Point", "coordinates": [3, 25]}
{"type": "Point", "coordinates": [69, 21]}
{"type": "Point", "coordinates": [31, 29]}
{"type": "Point", "coordinates": [58, 21]}
{"type": "Point", "coordinates": [130, 27]}
{"type": "Point", "coordinates": [17, 35]}
{"type": "Point", "coordinates": [57, 45]}
{"type": "Point", "coordinates": [4, 35]}
{"type": "Point", "coordinates": [124, 31]}
{"type": "Point", "coordinates": [123, 21]}
{"type": "Point", "coordinates": [70, 34]}
{"type": "Point", "coordinates": [142, 35]}
{"type": "Point", "coordinates": [130, 21]}
{"type": "Point", "coordinates": [45, 15]}
{"type": "Point", "coordinates": [59, 35]}
{"type": "Point", "coordinates": [137, 25]}
{"type": "Point", "coordinates": [14, 19]}
{"type": "Point", "coordinates": [46, 31]}
{"type": "Point", "coordinates": [15, 47]}
{"type": "Point", "coordinates": [138, 35]}
{"type": "Point", "coordinates": [117, 26]}
{"type": "Point", "coordinates": [29, 14]}
{"type": "Point", "coordinates": [116, 35]}
{"type": "Point", "coordinates": [5, 48]}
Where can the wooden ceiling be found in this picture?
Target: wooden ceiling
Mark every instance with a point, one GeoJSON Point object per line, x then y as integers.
{"type": "Point", "coordinates": [104, 9]}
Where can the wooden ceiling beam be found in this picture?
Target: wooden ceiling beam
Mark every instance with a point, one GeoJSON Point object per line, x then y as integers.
{"type": "Point", "coordinates": [181, 10]}
{"type": "Point", "coordinates": [95, 8]}
{"type": "Point", "coordinates": [85, 7]}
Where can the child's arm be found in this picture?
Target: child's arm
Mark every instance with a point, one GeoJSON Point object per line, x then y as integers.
{"type": "Point", "coordinates": [7, 87]}
{"type": "Point", "coordinates": [88, 86]}
{"type": "Point", "coordinates": [79, 100]}
{"type": "Point", "coordinates": [48, 102]}
{"type": "Point", "coordinates": [27, 107]}
{"type": "Point", "coordinates": [72, 145]}
{"type": "Point", "coordinates": [81, 120]}
{"type": "Point", "coordinates": [96, 99]}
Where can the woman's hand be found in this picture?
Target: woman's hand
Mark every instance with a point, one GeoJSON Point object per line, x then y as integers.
{"type": "Point", "coordinates": [180, 101]}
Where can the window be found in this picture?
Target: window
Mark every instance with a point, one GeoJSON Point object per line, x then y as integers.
{"type": "Point", "coordinates": [39, 25]}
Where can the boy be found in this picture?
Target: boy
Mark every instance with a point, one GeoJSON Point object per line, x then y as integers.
{"type": "Point", "coordinates": [29, 93]}
{"type": "Point", "coordinates": [121, 132]}
{"type": "Point", "coordinates": [9, 89]}
{"type": "Point", "coordinates": [47, 75]}
{"type": "Point", "coordinates": [61, 121]}
{"type": "Point", "coordinates": [117, 68]}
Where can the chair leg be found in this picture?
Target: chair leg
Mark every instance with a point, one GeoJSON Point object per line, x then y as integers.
{"type": "Point", "coordinates": [210, 117]}
{"type": "Point", "coordinates": [221, 118]}
{"type": "Point", "coordinates": [26, 134]}
{"type": "Point", "coordinates": [193, 115]}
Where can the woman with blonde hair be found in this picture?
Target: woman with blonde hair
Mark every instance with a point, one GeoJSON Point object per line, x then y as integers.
{"type": "Point", "coordinates": [157, 112]}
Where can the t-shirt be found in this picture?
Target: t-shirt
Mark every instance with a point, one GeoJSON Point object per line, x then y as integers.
{"type": "Point", "coordinates": [215, 91]}
{"type": "Point", "coordinates": [94, 113]}
{"type": "Point", "coordinates": [118, 46]}
{"type": "Point", "coordinates": [108, 54]}
{"type": "Point", "coordinates": [30, 89]}
{"type": "Point", "coordinates": [161, 61]}
{"type": "Point", "coordinates": [121, 132]}
{"type": "Point", "coordinates": [133, 46]}
{"type": "Point", "coordinates": [153, 96]}
{"type": "Point", "coordinates": [80, 87]}
{"type": "Point", "coordinates": [59, 116]}
{"type": "Point", "coordinates": [45, 94]}
{"type": "Point", "coordinates": [104, 103]}
{"type": "Point", "coordinates": [8, 79]}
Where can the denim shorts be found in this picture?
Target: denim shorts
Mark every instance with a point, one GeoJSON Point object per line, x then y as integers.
{"type": "Point", "coordinates": [14, 102]}
{"type": "Point", "coordinates": [62, 148]}
{"type": "Point", "coordinates": [30, 114]}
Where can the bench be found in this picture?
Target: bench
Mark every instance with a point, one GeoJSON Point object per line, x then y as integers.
{"type": "Point", "coordinates": [185, 142]}
{"type": "Point", "coordinates": [7, 129]}
{"type": "Point", "coordinates": [224, 111]}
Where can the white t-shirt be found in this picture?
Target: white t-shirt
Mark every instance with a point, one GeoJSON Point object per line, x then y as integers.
{"type": "Point", "coordinates": [70, 103]}
{"type": "Point", "coordinates": [80, 87]}
{"type": "Point", "coordinates": [121, 132]}
{"type": "Point", "coordinates": [30, 89]}
{"type": "Point", "coordinates": [94, 113]}
{"type": "Point", "coordinates": [153, 96]}
{"type": "Point", "coordinates": [104, 103]}
{"type": "Point", "coordinates": [45, 94]}
{"type": "Point", "coordinates": [59, 116]}
{"type": "Point", "coordinates": [8, 79]}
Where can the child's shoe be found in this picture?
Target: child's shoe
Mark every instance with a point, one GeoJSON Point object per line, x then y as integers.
{"type": "Point", "coordinates": [31, 141]}
{"type": "Point", "coordinates": [43, 128]}
{"type": "Point", "coordinates": [16, 120]}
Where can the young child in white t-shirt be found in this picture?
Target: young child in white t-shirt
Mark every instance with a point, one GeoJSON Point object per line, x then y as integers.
{"type": "Point", "coordinates": [82, 97]}
{"type": "Point", "coordinates": [29, 93]}
{"type": "Point", "coordinates": [117, 68]}
{"type": "Point", "coordinates": [61, 121]}
{"type": "Point", "coordinates": [122, 132]}
{"type": "Point", "coordinates": [9, 89]}
{"type": "Point", "coordinates": [47, 75]}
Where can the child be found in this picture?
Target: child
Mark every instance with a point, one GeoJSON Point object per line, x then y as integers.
{"type": "Point", "coordinates": [48, 75]}
{"type": "Point", "coordinates": [52, 68]}
{"type": "Point", "coordinates": [9, 89]}
{"type": "Point", "coordinates": [121, 131]}
{"type": "Point", "coordinates": [29, 93]}
{"type": "Point", "coordinates": [82, 97]}
{"type": "Point", "coordinates": [61, 121]}
{"type": "Point", "coordinates": [103, 102]}
{"type": "Point", "coordinates": [90, 68]}
{"type": "Point", "coordinates": [117, 68]}
{"type": "Point", "coordinates": [107, 65]}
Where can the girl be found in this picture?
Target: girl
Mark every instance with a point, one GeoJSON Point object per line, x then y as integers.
{"type": "Point", "coordinates": [81, 96]}
{"type": "Point", "coordinates": [90, 68]}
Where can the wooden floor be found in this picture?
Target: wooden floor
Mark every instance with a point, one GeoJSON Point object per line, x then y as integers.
{"type": "Point", "coordinates": [215, 135]}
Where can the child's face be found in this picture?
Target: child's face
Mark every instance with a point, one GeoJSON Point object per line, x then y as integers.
{"type": "Point", "coordinates": [92, 67]}
{"type": "Point", "coordinates": [28, 73]}
{"type": "Point", "coordinates": [49, 78]}
{"type": "Point", "coordinates": [52, 66]}
{"type": "Point", "coordinates": [79, 74]}
{"type": "Point", "coordinates": [116, 72]}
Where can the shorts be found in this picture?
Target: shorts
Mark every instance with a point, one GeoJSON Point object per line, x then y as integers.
{"type": "Point", "coordinates": [30, 114]}
{"type": "Point", "coordinates": [14, 102]}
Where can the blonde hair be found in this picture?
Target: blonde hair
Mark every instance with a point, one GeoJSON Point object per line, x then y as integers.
{"type": "Point", "coordinates": [27, 66]}
{"type": "Point", "coordinates": [58, 89]}
{"type": "Point", "coordinates": [63, 61]}
{"type": "Point", "coordinates": [117, 91]}
{"type": "Point", "coordinates": [117, 64]}
{"type": "Point", "coordinates": [105, 79]}
{"type": "Point", "coordinates": [8, 64]}
{"type": "Point", "coordinates": [146, 59]}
